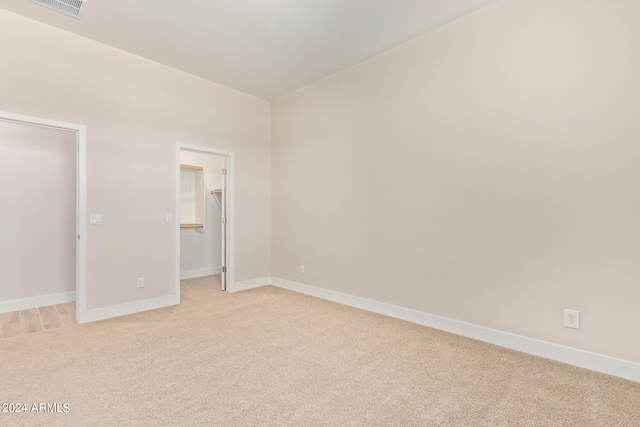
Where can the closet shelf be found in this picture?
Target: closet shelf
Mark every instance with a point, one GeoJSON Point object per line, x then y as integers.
{"type": "Point", "coordinates": [195, 168]}
{"type": "Point", "coordinates": [191, 226]}
{"type": "Point", "coordinates": [216, 191]}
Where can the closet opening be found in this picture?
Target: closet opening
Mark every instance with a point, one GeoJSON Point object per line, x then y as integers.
{"type": "Point", "coordinates": [204, 209]}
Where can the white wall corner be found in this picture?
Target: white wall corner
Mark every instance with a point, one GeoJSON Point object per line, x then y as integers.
{"type": "Point", "coordinates": [35, 302]}
{"type": "Point", "coordinates": [572, 356]}
{"type": "Point", "coordinates": [250, 284]}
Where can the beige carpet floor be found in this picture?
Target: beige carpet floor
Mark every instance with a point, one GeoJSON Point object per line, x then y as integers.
{"type": "Point", "coordinates": [270, 357]}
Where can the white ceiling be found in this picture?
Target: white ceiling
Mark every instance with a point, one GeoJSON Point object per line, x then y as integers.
{"type": "Point", "coordinates": [266, 48]}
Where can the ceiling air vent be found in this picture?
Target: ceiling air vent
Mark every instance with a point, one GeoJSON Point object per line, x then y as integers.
{"type": "Point", "coordinates": [68, 7]}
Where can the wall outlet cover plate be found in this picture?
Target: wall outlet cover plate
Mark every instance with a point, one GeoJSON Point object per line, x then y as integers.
{"type": "Point", "coordinates": [572, 318]}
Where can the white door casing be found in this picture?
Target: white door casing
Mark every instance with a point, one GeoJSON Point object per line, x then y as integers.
{"type": "Point", "coordinates": [81, 200]}
{"type": "Point", "coordinates": [226, 213]}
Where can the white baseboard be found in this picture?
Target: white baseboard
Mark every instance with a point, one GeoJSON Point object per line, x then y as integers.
{"type": "Point", "coordinates": [192, 274]}
{"type": "Point", "coordinates": [35, 302]}
{"type": "Point", "coordinates": [572, 356]}
{"type": "Point", "coordinates": [130, 308]}
{"type": "Point", "coordinates": [160, 302]}
{"type": "Point", "coordinates": [249, 284]}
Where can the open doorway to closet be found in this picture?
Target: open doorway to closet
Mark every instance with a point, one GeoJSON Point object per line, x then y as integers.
{"type": "Point", "coordinates": [204, 215]}
{"type": "Point", "coordinates": [42, 234]}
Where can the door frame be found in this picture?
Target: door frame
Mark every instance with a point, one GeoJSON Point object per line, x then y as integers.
{"type": "Point", "coordinates": [229, 235]}
{"type": "Point", "coordinates": [81, 199]}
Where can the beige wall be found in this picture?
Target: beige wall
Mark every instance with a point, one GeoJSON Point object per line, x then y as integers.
{"type": "Point", "coordinates": [37, 211]}
{"type": "Point", "coordinates": [135, 111]}
{"type": "Point", "coordinates": [486, 171]}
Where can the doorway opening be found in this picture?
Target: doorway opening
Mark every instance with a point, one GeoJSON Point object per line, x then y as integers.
{"type": "Point", "coordinates": [48, 223]}
{"type": "Point", "coordinates": [204, 214]}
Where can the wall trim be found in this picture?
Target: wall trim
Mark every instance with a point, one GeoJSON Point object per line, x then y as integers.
{"type": "Point", "coordinates": [560, 353]}
{"type": "Point", "coordinates": [35, 302]}
{"type": "Point", "coordinates": [193, 274]}
{"type": "Point", "coordinates": [131, 308]}
{"type": "Point", "coordinates": [250, 284]}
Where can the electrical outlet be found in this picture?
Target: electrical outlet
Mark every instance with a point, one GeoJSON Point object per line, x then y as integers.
{"type": "Point", "coordinates": [141, 282]}
{"type": "Point", "coordinates": [301, 268]}
{"type": "Point", "coordinates": [572, 319]}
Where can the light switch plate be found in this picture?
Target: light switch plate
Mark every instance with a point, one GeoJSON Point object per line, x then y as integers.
{"type": "Point", "coordinates": [169, 219]}
{"type": "Point", "coordinates": [95, 219]}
